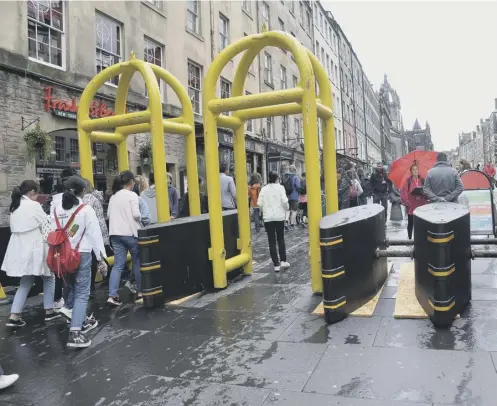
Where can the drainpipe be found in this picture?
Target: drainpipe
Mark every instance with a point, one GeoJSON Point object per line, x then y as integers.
{"type": "Point", "coordinates": [211, 12]}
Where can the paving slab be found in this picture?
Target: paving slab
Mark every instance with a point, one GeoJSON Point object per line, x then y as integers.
{"type": "Point", "coordinates": [313, 329]}
{"type": "Point", "coordinates": [284, 398]}
{"type": "Point", "coordinates": [407, 374]}
{"type": "Point", "coordinates": [261, 364]}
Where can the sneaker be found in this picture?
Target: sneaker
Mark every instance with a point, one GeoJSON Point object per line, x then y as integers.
{"type": "Point", "coordinates": [78, 340]}
{"type": "Point", "coordinates": [7, 380]}
{"type": "Point", "coordinates": [114, 301]}
{"type": "Point", "coordinates": [16, 323]}
{"type": "Point", "coordinates": [89, 324]}
{"type": "Point", "coordinates": [58, 304]}
{"type": "Point", "coordinates": [276, 268]}
{"type": "Point", "coordinates": [131, 287]}
{"type": "Point", "coordinates": [285, 264]}
{"type": "Point", "coordinates": [67, 313]}
{"type": "Point", "coordinates": [52, 316]}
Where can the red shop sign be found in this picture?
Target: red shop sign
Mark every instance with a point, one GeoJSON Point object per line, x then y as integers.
{"type": "Point", "coordinates": [69, 108]}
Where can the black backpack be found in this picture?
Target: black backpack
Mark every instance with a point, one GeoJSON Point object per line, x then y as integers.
{"type": "Point", "coordinates": [288, 184]}
{"type": "Point", "coordinates": [303, 187]}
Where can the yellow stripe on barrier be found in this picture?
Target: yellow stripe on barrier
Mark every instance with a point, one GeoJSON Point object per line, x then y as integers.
{"type": "Point", "coordinates": [442, 308]}
{"type": "Point", "coordinates": [331, 307]}
{"type": "Point", "coordinates": [442, 273]}
{"type": "Point", "coordinates": [440, 240]}
{"type": "Point", "coordinates": [329, 244]}
{"type": "Point", "coordinates": [150, 267]}
{"type": "Point", "coordinates": [146, 242]}
{"type": "Point", "coordinates": [153, 292]}
{"type": "Point", "coordinates": [330, 276]}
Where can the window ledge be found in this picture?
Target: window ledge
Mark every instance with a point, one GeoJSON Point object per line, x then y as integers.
{"type": "Point", "coordinates": [248, 14]}
{"type": "Point", "coordinates": [193, 33]}
{"type": "Point", "coordinates": [271, 85]}
{"type": "Point", "coordinates": [47, 64]}
{"type": "Point", "coordinates": [154, 8]}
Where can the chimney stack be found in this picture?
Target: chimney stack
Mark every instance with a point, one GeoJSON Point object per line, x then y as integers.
{"type": "Point", "coordinates": [477, 128]}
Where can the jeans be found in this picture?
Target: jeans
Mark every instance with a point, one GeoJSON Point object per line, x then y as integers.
{"type": "Point", "coordinates": [383, 200]}
{"type": "Point", "coordinates": [276, 231]}
{"type": "Point", "coordinates": [24, 288]}
{"type": "Point", "coordinates": [121, 244]}
{"type": "Point", "coordinates": [257, 217]}
{"type": "Point", "coordinates": [77, 291]}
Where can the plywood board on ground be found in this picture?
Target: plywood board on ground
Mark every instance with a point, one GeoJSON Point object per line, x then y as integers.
{"type": "Point", "coordinates": [366, 310]}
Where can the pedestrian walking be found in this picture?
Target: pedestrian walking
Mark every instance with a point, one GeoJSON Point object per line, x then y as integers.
{"type": "Point", "coordinates": [303, 200]}
{"type": "Point", "coordinates": [291, 183]}
{"type": "Point", "coordinates": [355, 190]}
{"type": "Point", "coordinates": [273, 202]}
{"type": "Point", "coordinates": [254, 190]}
{"type": "Point", "coordinates": [26, 252]}
{"type": "Point", "coordinates": [367, 192]}
{"type": "Point", "coordinates": [228, 189]}
{"type": "Point", "coordinates": [7, 380]}
{"type": "Point", "coordinates": [412, 197]}
{"type": "Point", "coordinates": [173, 197]}
{"type": "Point", "coordinates": [443, 183]}
{"type": "Point", "coordinates": [489, 170]}
{"type": "Point", "coordinates": [150, 198]}
{"type": "Point", "coordinates": [184, 207]}
{"type": "Point", "coordinates": [79, 224]}
{"type": "Point", "coordinates": [343, 187]}
{"type": "Point", "coordinates": [139, 186]}
{"type": "Point", "coordinates": [381, 186]}
{"type": "Point", "coordinates": [124, 221]}
{"type": "Point", "coordinates": [94, 202]}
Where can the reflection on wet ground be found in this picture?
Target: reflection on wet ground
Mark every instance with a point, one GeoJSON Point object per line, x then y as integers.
{"type": "Point", "coordinates": [257, 343]}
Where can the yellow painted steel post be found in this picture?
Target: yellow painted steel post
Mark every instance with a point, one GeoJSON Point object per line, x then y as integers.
{"type": "Point", "coordinates": [190, 142]}
{"type": "Point", "coordinates": [329, 152]}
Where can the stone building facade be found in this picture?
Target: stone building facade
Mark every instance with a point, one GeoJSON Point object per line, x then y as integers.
{"type": "Point", "coordinates": [372, 119]}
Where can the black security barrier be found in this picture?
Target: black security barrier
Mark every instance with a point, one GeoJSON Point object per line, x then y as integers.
{"type": "Point", "coordinates": [352, 272]}
{"type": "Point", "coordinates": [442, 260]}
{"type": "Point", "coordinates": [174, 257]}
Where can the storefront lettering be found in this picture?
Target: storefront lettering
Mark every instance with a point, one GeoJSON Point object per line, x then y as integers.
{"type": "Point", "coordinates": [69, 109]}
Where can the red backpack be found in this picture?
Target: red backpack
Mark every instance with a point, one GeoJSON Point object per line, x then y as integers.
{"type": "Point", "coordinates": [61, 258]}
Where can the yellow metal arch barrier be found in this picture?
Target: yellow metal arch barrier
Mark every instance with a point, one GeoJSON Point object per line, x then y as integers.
{"type": "Point", "coordinates": [149, 120]}
{"type": "Point", "coordinates": [301, 100]}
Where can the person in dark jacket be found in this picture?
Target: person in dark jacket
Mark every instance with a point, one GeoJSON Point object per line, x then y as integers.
{"type": "Point", "coordinates": [381, 187]}
{"type": "Point", "coordinates": [367, 191]}
{"type": "Point", "coordinates": [173, 196]}
{"type": "Point", "coordinates": [343, 187]}
{"type": "Point", "coordinates": [443, 183]}
{"type": "Point", "coordinates": [184, 209]}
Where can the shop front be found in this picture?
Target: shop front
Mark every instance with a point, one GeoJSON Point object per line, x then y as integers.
{"type": "Point", "coordinates": [280, 157]}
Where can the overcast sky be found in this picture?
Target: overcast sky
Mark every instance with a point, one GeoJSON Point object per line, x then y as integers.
{"type": "Point", "coordinates": [441, 57]}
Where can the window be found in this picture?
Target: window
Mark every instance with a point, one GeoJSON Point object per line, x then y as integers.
{"type": "Point", "coordinates": [193, 16]}
{"type": "Point", "coordinates": [46, 31]}
{"type": "Point", "coordinates": [265, 15]}
{"type": "Point", "coordinates": [292, 8]}
{"type": "Point", "coordinates": [283, 81]}
{"type": "Point", "coordinates": [225, 89]}
{"type": "Point", "coordinates": [98, 147]}
{"type": "Point", "coordinates": [281, 24]}
{"type": "Point", "coordinates": [296, 128]}
{"type": "Point", "coordinates": [73, 150]}
{"type": "Point", "coordinates": [308, 23]}
{"type": "Point", "coordinates": [194, 85]}
{"type": "Point", "coordinates": [322, 56]}
{"type": "Point", "coordinates": [152, 53]}
{"type": "Point", "coordinates": [321, 21]}
{"type": "Point", "coordinates": [284, 128]}
{"type": "Point", "coordinates": [249, 123]}
{"type": "Point", "coordinates": [317, 51]}
{"type": "Point", "coordinates": [60, 147]}
{"type": "Point", "coordinates": [336, 73]}
{"type": "Point", "coordinates": [315, 14]}
{"type": "Point", "coordinates": [246, 5]}
{"type": "Point", "coordinates": [326, 30]}
{"type": "Point", "coordinates": [294, 81]}
{"type": "Point", "coordinates": [156, 3]}
{"type": "Point", "coordinates": [269, 127]}
{"type": "Point", "coordinates": [99, 167]}
{"type": "Point", "coordinates": [330, 36]}
{"type": "Point", "coordinates": [328, 64]}
{"type": "Point", "coordinates": [268, 68]}
{"type": "Point", "coordinates": [301, 14]}
{"type": "Point", "coordinates": [223, 32]}
{"type": "Point", "coordinates": [108, 34]}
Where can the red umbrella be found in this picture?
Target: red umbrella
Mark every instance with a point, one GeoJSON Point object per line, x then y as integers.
{"type": "Point", "coordinates": [400, 171]}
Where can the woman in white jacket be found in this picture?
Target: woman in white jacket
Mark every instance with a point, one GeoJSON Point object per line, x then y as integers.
{"type": "Point", "coordinates": [84, 235]}
{"type": "Point", "coordinates": [26, 252]}
{"type": "Point", "coordinates": [274, 204]}
{"type": "Point", "coordinates": [355, 188]}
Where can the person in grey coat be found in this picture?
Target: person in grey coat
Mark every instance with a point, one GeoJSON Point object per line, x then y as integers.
{"type": "Point", "coordinates": [443, 183]}
{"type": "Point", "coordinates": [228, 189]}
{"type": "Point", "coordinates": [343, 189]}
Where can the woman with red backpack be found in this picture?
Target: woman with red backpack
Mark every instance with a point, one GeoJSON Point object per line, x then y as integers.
{"type": "Point", "coordinates": [74, 232]}
{"type": "Point", "coordinates": [26, 252]}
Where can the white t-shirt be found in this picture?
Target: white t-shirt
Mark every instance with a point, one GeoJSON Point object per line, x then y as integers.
{"type": "Point", "coordinates": [124, 214]}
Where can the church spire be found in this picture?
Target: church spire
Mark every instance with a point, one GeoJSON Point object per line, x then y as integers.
{"type": "Point", "coordinates": [416, 125]}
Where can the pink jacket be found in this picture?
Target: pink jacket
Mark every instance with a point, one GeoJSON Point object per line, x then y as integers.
{"type": "Point", "coordinates": [409, 200]}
